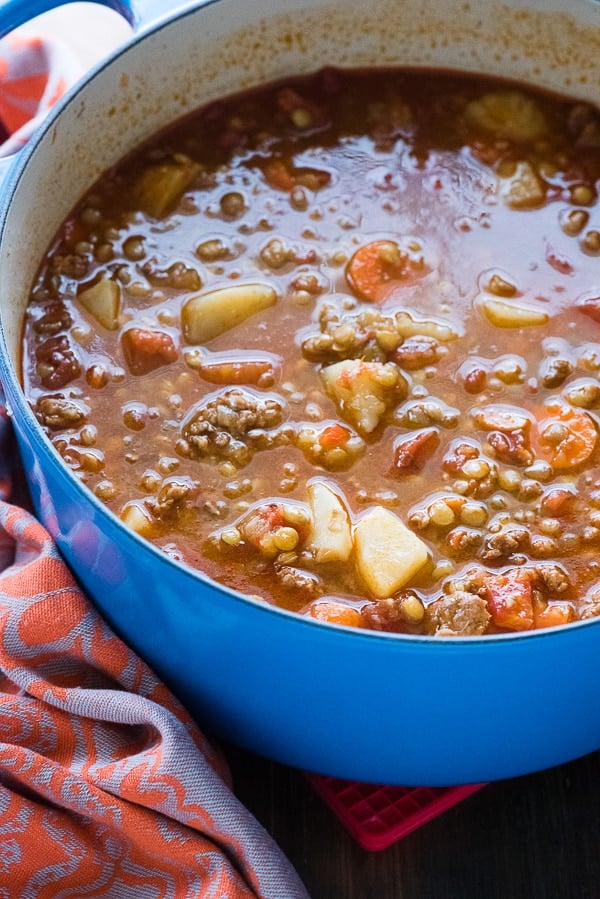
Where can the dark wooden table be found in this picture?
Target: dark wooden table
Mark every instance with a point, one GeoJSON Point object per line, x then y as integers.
{"type": "Point", "coordinates": [534, 837]}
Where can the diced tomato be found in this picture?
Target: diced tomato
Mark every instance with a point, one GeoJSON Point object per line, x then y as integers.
{"type": "Point", "coordinates": [146, 350]}
{"type": "Point", "coordinates": [510, 600]}
{"type": "Point", "coordinates": [335, 613]}
{"type": "Point", "coordinates": [334, 436]}
{"type": "Point", "coordinates": [412, 452]}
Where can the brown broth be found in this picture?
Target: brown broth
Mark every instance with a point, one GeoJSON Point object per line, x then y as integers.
{"type": "Point", "coordinates": [489, 194]}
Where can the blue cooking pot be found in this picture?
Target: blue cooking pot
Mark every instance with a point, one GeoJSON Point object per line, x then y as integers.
{"type": "Point", "coordinates": [356, 704]}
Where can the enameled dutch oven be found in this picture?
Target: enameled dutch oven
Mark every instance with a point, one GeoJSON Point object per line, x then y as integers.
{"type": "Point", "coordinates": [368, 706]}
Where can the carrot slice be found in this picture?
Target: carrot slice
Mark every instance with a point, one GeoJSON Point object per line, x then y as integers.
{"type": "Point", "coordinates": [553, 614]}
{"type": "Point", "coordinates": [335, 613]}
{"type": "Point", "coordinates": [376, 267]}
{"type": "Point", "coordinates": [567, 437]}
{"type": "Point", "coordinates": [236, 371]}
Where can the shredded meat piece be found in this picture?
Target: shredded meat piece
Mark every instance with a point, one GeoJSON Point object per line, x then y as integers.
{"type": "Point", "coordinates": [56, 412]}
{"type": "Point", "coordinates": [220, 424]}
{"type": "Point", "coordinates": [458, 614]}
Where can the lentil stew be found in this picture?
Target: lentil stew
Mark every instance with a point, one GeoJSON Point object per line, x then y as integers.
{"type": "Point", "coordinates": [336, 343]}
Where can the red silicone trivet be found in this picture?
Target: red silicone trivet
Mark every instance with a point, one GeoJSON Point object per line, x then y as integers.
{"type": "Point", "coordinates": [378, 816]}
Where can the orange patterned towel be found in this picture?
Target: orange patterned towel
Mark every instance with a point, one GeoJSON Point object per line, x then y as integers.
{"type": "Point", "coordinates": [107, 787]}
{"type": "Point", "coordinates": [34, 74]}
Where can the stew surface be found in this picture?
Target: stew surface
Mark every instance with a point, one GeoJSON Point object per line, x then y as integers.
{"type": "Point", "coordinates": [336, 342]}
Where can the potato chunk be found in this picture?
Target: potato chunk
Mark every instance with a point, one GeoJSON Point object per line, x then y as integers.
{"type": "Point", "coordinates": [363, 391]}
{"type": "Point", "coordinates": [138, 518]}
{"type": "Point", "coordinates": [525, 189]}
{"type": "Point", "coordinates": [331, 535]}
{"type": "Point", "coordinates": [160, 187]}
{"type": "Point", "coordinates": [103, 301]}
{"type": "Point", "coordinates": [509, 114]}
{"type": "Point", "coordinates": [512, 315]}
{"type": "Point", "coordinates": [207, 315]}
{"type": "Point", "coordinates": [388, 554]}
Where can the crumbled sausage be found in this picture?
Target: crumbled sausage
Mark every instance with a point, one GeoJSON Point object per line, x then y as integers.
{"type": "Point", "coordinates": [173, 495]}
{"type": "Point", "coordinates": [399, 614]}
{"type": "Point", "coordinates": [416, 352]}
{"type": "Point", "coordinates": [56, 412]}
{"type": "Point", "coordinates": [462, 541]}
{"type": "Point", "coordinates": [56, 318]}
{"type": "Point", "coordinates": [298, 580]}
{"type": "Point", "coordinates": [552, 578]}
{"type": "Point", "coordinates": [424, 413]}
{"type": "Point", "coordinates": [344, 334]}
{"type": "Point", "coordinates": [555, 371]}
{"type": "Point", "coordinates": [503, 545]}
{"type": "Point", "coordinates": [72, 265]}
{"type": "Point", "coordinates": [178, 275]}
{"type": "Point", "coordinates": [219, 424]}
{"type": "Point", "coordinates": [589, 607]}
{"type": "Point", "coordinates": [56, 362]}
{"type": "Point", "coordinates": [474, 378]}
{"type": "Point", "coordinates": [459, 614]}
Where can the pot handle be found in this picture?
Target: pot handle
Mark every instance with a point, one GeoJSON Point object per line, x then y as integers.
{"type": "Point", "coordinates": [139, 13]}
